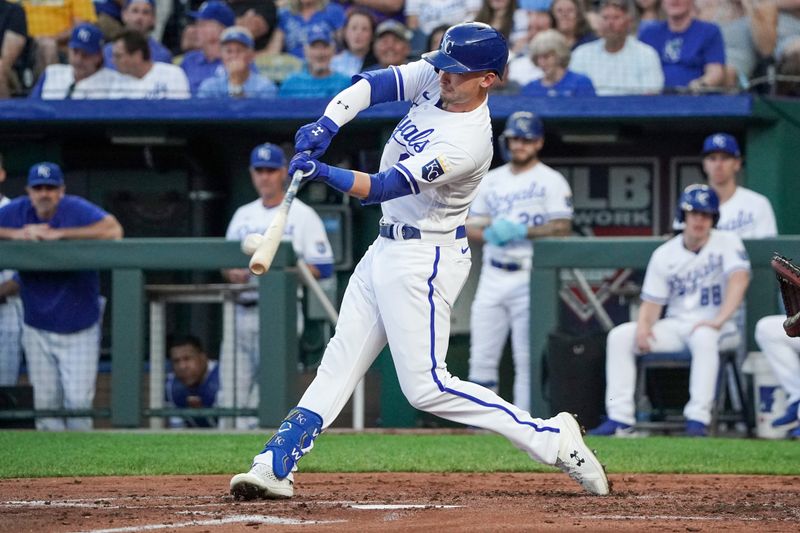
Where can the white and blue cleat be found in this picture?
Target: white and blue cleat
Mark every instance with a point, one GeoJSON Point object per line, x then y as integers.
{"type": "Point", "coordinates": [261, 483]}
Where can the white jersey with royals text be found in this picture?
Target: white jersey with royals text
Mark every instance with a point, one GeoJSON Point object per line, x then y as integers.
{"type": "Point", "coordinates": [59, 83]}
{"type": "Point", "coordinates": [162, 81]}
{"type": "Point", "coordinates": [692, 285]}
{"type": "Point", "coordinates": [533, 198]}
{"type": "Point", "coordinates": [304, 229]}
{"type": "Point", "coordinates": [748, 214]}
{"type": "Point", "coordinates": [442, 155]}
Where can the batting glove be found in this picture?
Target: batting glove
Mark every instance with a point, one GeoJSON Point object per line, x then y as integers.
{"type": "Point", "coordinates": [315, 137]}
{"type": "Point", "coordinates": [490, 236]}
{"type": "Point", "coordinates": [339, 178]}
{"type": "Point", "coordinates": [507, 231]}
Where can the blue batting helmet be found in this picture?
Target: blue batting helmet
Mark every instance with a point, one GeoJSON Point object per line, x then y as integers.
{"type": "Point", "coordinates": [470, 47]}
{"type": "Point", "coordinates": [698, 199]}
{"type": "Point", "coordinates": [522, 125]}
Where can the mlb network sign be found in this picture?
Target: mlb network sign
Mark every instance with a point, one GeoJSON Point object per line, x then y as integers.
{"type": "Point", "coordinates": [618, 196]}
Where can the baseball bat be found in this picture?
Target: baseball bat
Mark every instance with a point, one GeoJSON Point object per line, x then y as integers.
{"type": "Point", "coordinates": [265, 253]}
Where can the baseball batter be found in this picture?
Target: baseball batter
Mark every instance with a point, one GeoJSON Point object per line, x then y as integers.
{"type": "Point", "coordinates": [520, 201]}
{"type": "Point", "coordinates": [701, 276]}
{"type": "Point", "coordinates": [403, 288]}
{"type": "Point", "coordinates": [10, 319]}
{"type": "Point", "coordinates": [783, 354]}
{"type": "Point", "coordinates": [307, 234]}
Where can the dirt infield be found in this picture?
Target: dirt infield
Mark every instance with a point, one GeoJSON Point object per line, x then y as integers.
{"type": "Point", "coordinates": [394, 502]}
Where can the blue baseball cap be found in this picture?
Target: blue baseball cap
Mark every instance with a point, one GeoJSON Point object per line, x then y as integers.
{"type": "Point", "coordinates": [535, 5]}
{"type": "Point", "coordinates": [267, 155]}
{"type": "Point", "coordinates": [319, 33]}
{"type": "Point", "coordinates": [721, 142]}
{"type": "Point", "coordinates": [237, 34]}
{"type": "Point", "coordinates": [45, 173]}
{"type": "Point", "coordinates": [215, 10]}
{"type": "Point", "coordinates": [87, 37]}
{"type": "Point", "coordinates": [151, 2]}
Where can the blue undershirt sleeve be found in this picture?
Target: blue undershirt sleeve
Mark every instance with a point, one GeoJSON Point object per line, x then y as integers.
{"type": "Point", "coordinates": [386, 85]}
{"type": "Point", "coordinates": [387, 185]}
{"type": "Point", "coordinates": [325, 270]}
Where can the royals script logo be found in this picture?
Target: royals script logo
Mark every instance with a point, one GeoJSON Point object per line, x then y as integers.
{"type": "Point", "coordinates": [408, 135]}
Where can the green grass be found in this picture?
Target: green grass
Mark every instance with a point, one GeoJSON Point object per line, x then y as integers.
{"type": "Point", "coordinates": [32, 454]}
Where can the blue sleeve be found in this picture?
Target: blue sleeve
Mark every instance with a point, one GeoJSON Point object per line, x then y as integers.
{"type": "Point", "coordinates": [386, 85]}
{"type": "Point", "coordinates": [387, 185]}
{"type": "Point", "coordinates": [10, 216]}
{"type": "Point", "coordinates": [36, 92]}
{"type": "Point", "coordinates": [79, 212]}
{"type": "Point", "coordinates": [335, 15]}
{"type": "Point", "coordinates": [325, 269]}
{"type": "Point", "coordinates": [585, 87]}
{"type": "Point", "coordinates": [715, 53]}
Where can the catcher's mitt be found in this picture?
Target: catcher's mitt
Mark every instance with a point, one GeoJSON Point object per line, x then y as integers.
{"type": "Point", "coordinates": [788, 275]}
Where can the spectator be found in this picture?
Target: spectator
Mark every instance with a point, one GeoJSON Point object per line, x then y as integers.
{"type": "Point", "coordinates": [537, 19]}
{"type": "Point", "coordinates": [140, 15]}
{"type": "Point", "coordinates": [380, 10]}
{"type": "Point", "coordinates": [423, 16]}
{"type": "Point", "coordinates": [211, 19]}
{"type": "Point", "coordinates": [51, 25]}
{"type": "Point", "coordinates": [392, 44]}
{"type": "Point", "coordinates": [85, 77]}
{"type": "Point", "coordinates": [506, 216]}
{"type": "Point", "coordinates": [359, 29]}
{"type": "Point", "coordinates": [618, 63]}
{"type": "Point", "coordinates": [647, 12]}
{"type": "Point", "coordinates": [783, 354]}
{"type": "Point", "coordinates": [436, 36]}
{"type": "Point", "coordinates": [193, 382]}
{"type": "Point", "coordinates": [498, 14]}
{"type": "Point", "coordinates": [570, 21]}
{"type": "Point", "coordinates": [260, 17]}
{"type": "Point", "coordinates": [317, 80]}
{"type": "Point", "coordinates": [10, 318]}
{"type": "Point", "coordinates": [701, 276]}
{"type": "Point", "coordinates": [788, 68]}
{"type": "Point", "coordinates": [297, 20]}
{"type": "Point", "coordinates": [109, 16]}
{"type": "Point", "coordinates": [13, 36]}
{"type": "Point", "coordinates": [306, 232]}
{"type": "Point", "coordinates": [691, 51]}
{"type": "Point", "coordinates": [144, 77]}
{"type": "Point", "coordinates": [741, 210]}
{"type": "Point", "coordinates": [237, 80]}
{"type": "Point", "coordinates": [550, 53]}
{"type": "Point", "coordinates": [62, 310]}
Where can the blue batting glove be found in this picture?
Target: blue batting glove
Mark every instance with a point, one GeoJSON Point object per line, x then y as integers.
{"type": "Point", "coordinates": [518, 231]}
{"type": "Point", "coordinates": [310, 167]}
{"type": "Point", "coordinates": [503, 229]}
{"type": "Point", "coordinates": [490, 236]}
{"type": "Point", "coordinates": [315, 137]}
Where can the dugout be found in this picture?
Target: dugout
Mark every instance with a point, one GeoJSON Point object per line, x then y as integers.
{"type": "Point", "coordinates": [179, 168]}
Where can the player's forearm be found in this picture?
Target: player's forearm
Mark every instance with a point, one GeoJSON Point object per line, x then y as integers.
{"type": "Point", "coordinates": [108, 228]}
{"type": "Point", "coordinates": [350, 102]}
{"type": "Point", "coordinates": [734, 295]}
{"type": "Point", "coordinates": [8, 288]}
{"type": "Point", "coordinates": [560, 227]}
{"type": "Point", "coordinates": [649, 313]}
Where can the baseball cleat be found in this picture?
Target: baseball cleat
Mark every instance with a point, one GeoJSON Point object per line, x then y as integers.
{"type": "Point", "coordinates": [612, 428]}
{"type": "Point", "coordinates": [577, 460]}
{"type": "Point", "coordinates": [695, 428]}
{"type": "Point", "coordinates": [789, 417]}
{"type": "Point", "coordinates": [260, 483]}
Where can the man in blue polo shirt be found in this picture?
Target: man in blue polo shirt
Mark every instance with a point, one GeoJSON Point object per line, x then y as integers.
{"type": "Point", "coordinates": [317, 80]}
{"type": "Point", "coordinates": [212, 18]}
{"type": "Point", "coordinates": [692, 51]}
{"type": "Point", "coordinates": [62, 310]}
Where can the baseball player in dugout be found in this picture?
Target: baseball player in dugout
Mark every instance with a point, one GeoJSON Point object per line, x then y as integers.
{"type": "Point", "coordinates": [403, 288]}
{"type": "Point", "coordinates": [701, 276]}
{"type": "Point", "coordinates": [516, 203]}
{"type": "Point", "coordinates": [307, 234]}
{"type": "Point", "coordinates": [62, 310]}
{"type": "Point", "coordinates": [10, 318]}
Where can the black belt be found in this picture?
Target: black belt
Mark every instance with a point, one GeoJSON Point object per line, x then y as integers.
{"type": "Point", "coordinates": [249, 303]}
{"type": "Point", "coordinates": [410, 232]}
{"type": "Point", "coordinates": [511, 267]}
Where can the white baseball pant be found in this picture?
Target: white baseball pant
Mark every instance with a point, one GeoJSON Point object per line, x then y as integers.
{"type": "Point", "coordinates": [782, 352]}
{"type": "Point", "coordinates": [671, 335]}
{"type": "Point", "coordinates": [10, 341]}
{"type": "Point", "coordinates": [402, 292]}
{"type": "Point", "coordinates": [62, 368]}
{"type": "Point", "coordinates": [502, 302]}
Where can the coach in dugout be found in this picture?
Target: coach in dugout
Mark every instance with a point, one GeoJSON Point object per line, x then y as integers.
{"type": "Point", "coordinates": [62, 310]}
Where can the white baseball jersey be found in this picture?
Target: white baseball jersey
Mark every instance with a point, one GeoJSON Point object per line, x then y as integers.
{"type": "Point", "coordinates": [162, 81]}
{"type": "Point", "coordinates": [442, 155]}
{"type": "Point", "coordinates": [59, 78]}
{"type": "Point", "coordinates": [533, 198]}
{"type": "Point", "coordinates": [692, 285]}
{"type": "Point", "coordinates": [635, 69]}
{"type": "Point", "coordinates": [10, 329]}
{"type": "Point", "coordinates": [748, 214]}
{"type": "Point", "coordinates": [433, 13]}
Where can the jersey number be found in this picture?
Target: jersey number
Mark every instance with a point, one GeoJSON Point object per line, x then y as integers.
{"type": "Point", "coordinates": [531, 219]}
{"type": "Point", "coordinates": [713, 294]}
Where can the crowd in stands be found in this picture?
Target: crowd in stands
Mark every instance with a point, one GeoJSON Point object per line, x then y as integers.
{"type": "Point", "coordinates": [73, 48]}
